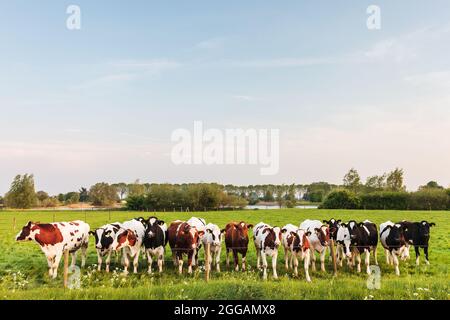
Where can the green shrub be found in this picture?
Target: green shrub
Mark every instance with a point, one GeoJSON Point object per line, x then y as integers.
{"type": "Point", "coordinates": [385, 200]}
{"type": "Point", "coordinates": [341, 199]}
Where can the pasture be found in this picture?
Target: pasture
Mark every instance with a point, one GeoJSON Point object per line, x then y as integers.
{"type": "Point", "coordinates": [23, 267]}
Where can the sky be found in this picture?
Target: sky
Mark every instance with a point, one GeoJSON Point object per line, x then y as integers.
{"type": "Point", "coordinates": [100, 103]}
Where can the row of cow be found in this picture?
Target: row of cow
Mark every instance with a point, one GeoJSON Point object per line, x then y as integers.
{"type": "Point", "coordinates": [186, 238]}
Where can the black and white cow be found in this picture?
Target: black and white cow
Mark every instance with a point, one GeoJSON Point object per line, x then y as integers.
{"type": "Point", "coordinates": [392, 237]}
{"type": "Point", "coordinates": [104, 237]}
{"type": "Point", "coordinates": [333, 226]}
{"type": "Point", "coordinates": [155, 240]}
{"type": "Point", "coordinates": [418, 235]}
{"type": "Point", "coordinates": [358, 238]}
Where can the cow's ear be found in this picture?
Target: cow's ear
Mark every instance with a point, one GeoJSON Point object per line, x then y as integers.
{"type": "Point", "coordinates": [283, 230]}
{"type": "Point", "coordinates": [200, 233]}
{"type": "Point", "coordinates": [344, 225]}
{"type": "Point", "coordinates": [361, 224]}
{"type": "Point", "coordinates": [223, 230]}
{"type": "Point", "coordinates": [249, 226]}
{"type": "Point", "coordinates": [325, 221]}
{"type": "Point", "coordinates": [317, 230]}
{"type": "Point", "coordinates": [339, 221]}
{"type": "Point", "coordinates": [209, 230]}
{"type": "Point", "coordinates": [161, 222]}
{"type": "Point", "coordinates": [92, 232]}
{"type": "Point", "coordinates": [308, 233]}
{"type": "Point", "coordinates": [432, 224]}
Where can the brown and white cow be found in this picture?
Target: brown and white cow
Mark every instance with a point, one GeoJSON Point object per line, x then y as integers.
{"type": "Point", "coordinates": [55, 238]}
{"type": "Point", "coordinates": [267, 240]}
{"type": "Point", "coordinates": [236, 241]}
{"type": "Point", "coordinates": [319, 239]}
{"type": "Point", "coordinates": [296, 243]}
{"type": "Point", "coordinates": [183, 239]}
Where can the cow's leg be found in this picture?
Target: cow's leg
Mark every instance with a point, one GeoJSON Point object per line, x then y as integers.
{"type": "Point", "coordinates": [244, 260]}
{"type": "Point", "coordinates": [56, 261]}
{"type": "Point", "coordinates": [295, 267]}
{"type": "Point", "coordinates": [126, 261]}
{"type": "Point", "coordinates": [306, 264]}
{"type": "Point", "coordinates": [313, 260]}
{"type": "Point", "coordinates": [258, 259]}
{"type": "Point", "coordinates": [395, 262]}
{"type": "Point", "coordinates": [236, 260]}
{"type": "Point", "coordinates": [274, 264]}
{"type": "Point", "coordinates": [50, 266]}
{"type": "Point", "coordinates": [108, 260]}
{"type": "Point", "coordinates": [286, 258]}
{"type": "Point", "coordinates": [99, 260]}
{"type": "Point", "coordinates": [322, 259]}
{"type": "Point", "coordinates": [367, 260]}
{"type": "Point", "coordinates": [83, 254]}
{"type": "Point", "coordinates": [191, 256]}
{"type": "Point", "coordinates": [358, 261]}
{"type": "Point", "coordinates": [416, 248]}
{"type": "Point", "coordinates": [217, 257]}
{"type": "Point", "coordinates": [180, 262]}
{"type": "Point", "coordinates": [136, 261]}
{"type": "Point", "coordinates": [73, 256]}
{"type": "Point", "coordinates": [174, 257]}
{"type": "Point", "coordinates": [149, 261]}
{"type": "Point", "coordinates": [195, 257]}
{"type": "Point", "coordinates": [425, 251]}
{"type": "Point", "coordinates": [227, 256]}
{"type": "Point", "coordinates": [388, 256]}
{"type": "Point", "coordinates": [264, 264]}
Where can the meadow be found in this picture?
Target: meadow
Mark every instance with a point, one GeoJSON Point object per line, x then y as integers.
{"type": "Point", "coordinates": [23, 268]}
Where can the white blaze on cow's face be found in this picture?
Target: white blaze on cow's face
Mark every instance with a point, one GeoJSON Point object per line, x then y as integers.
{"type": "Point", "coordinates": [343, 237]}
{"type": "Point", "coordinates": [277, 231]}
{"type": "Point", "coordinates": [214, 236]}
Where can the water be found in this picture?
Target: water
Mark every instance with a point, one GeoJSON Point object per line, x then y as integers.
{"type": "Point", "coordinates": [252, 207]}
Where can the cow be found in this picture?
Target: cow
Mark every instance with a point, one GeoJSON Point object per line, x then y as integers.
{"type": "Point", "coordinates": [183, 239]}
{"type": "Point", "coordinates": [200, 225]}
{"type": "Point", "coordinates": [334, 224]}
{"type": "Point", "coordinates": [236, 241]}
{"type": "Point", "coordinates": [55, 238]}
{"type": "Point", "coordinates": [286, 241]}
{"type": "Point", "coordinates": [297, 243]}
{"type": "Point", "coordinates": [358, 238]}
{"type": "Point", "coordinates": [392, 237]}
{"type": "Point", "coordinates": [418, 235]}
{"type": "Point", "coordinates": [267, 240]}
{"type": "Point", "coordinates": [104, 237]}
{"type": "Point", "coordinates": [319, 239]}
{"type": "Point", "coordinates": [213, 237]}
{"type": "Point", "coordinates": [155, 240]}
{"type": "Point", "coordinates": [129, 238]}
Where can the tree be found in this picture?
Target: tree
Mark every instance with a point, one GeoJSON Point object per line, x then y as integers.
{"type": "Point", "coordinates": [122, 189]}
{"type": "Point", "coordinates": [341, 199]}
{"type": "Point", "coordinates": [375, 183]}
{"type": "Point", "coordinates": [84, 195]}
{"type": "Point", "coordinates": [42, 195]}
{"type": "Point", "coordinates": [394, 180]}
{"type": "Point", "coordinates": [102, 194]}
{"type": "Point", "coordinates": [431, 185]}
{"type": "Point", "coordinates": [72, 197]}
{"type": "Point", "coordinates": [21, 194]}
{"type": "Point", "coordinates": [352, 180]}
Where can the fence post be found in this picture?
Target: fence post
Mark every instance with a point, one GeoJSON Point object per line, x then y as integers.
{"type": "Point", "coordinates": [66, 267]}
{"type": "Point", "coordinates": [109, 215]}
{"type": "Point", "coordinates": [333, 255]}
{"type": "Point", "coordinates": [207, 257]}
{"type": "Point", "coordinates": [14, 223]}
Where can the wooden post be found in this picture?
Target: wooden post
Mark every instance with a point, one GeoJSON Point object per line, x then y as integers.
{"type": "Point", "coordinates": [14, 223]}
{"type": "Point", "coordinates": [207, 257]}
{"type": "Point", "coordinates": [333, 255]}
{"type": "Point", "coordinates": [66, 267]}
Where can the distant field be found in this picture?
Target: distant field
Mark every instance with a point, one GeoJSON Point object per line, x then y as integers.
{"type": "Point", "coordinates": [23, 268]}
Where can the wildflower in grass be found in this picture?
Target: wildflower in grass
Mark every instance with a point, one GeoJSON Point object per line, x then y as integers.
{"type": "Point", "coordinates": [415, 294]}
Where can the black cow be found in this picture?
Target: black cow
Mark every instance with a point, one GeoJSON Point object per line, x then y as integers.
{"type": "Point", "coordinates": [155, 240]}
{"type": "Point", "coordinates": [363, 239]}
{"type": "Point", "coordinates": [104, 237]}
{"type": "Point", "coordinates": [333, 225]}
{"type": "Point", "coordinates": [418, 235]}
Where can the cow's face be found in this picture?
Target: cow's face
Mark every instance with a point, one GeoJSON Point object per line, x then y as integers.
{"type": "Point", "coordinates": [303, 238]}
{"type": "Point", "coordinates": [352, 225]}
{"type": "Point", "coordinates": [191, 234]}
{"type": "Point", "coordinates": [214, 236]}
{"type": "Point", "coordinates": [343, 238]}
{"type": "Point", "coordinates": [425, 228]}
{"type": "Point", "coordinates": [323, 234]}
{"type": "Point", "coordinates": [123, 239]}
{"type": "Point", "coordinates": [104, 237]}
{"type": "Point", "coordinates": [143, 221]}
{"type": "Point", "coordinates": [27, 233]}
{"type": "Point", "coordinates": [333, 225]}
{"type": "Point", "coordinates": [242, 230]}
{"type": "Point", "coordinates": [277, 232]}
{"type": "Point", "coordinates": [153, 224]}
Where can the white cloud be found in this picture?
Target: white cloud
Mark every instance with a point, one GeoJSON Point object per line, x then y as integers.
{"type": "Point", "coordinates": [436, 79]}
{"type": "Point", "coordinates": [210, 44]}
{"type": "Point", "coordinates": [245, 98]}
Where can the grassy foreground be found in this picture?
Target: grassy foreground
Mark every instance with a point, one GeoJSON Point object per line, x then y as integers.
{"type": "Point", "coordinates": [23, 268]}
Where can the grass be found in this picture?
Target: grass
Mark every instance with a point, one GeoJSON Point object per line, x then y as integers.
{"type": "Point", "coordinates": [23, 268]}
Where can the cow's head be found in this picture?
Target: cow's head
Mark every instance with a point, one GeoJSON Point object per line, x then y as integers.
{"type": "Point", "coordinates": [242, 230]}
{"type": "Point", "coordinates": [352, 228]}
{"type": "Point", "coordinates": [124, 238]}
{"type": "Point", "coordinates": [143, 221]}
{"type": "Point", "coordinates": [153, 224]}
{"type": "Point", "coordinates": [425, 228]}
{"type": "Point", "coordinates": [333, 224]}
{"type": "Point", "coordinates": [104, 237]}
{"type": "Point", "coordinates": [301, 240]}
{"type": "Point", "coordinates": [343, 238]}
{"type": "Point", "coordinates": [277, 231]}
{"type": "Point", "coordinates": [190, 234]}
{"type": "Point", "coordinates": [323, 234]}
{"type": "Point", "coordinates": [213, 235]}
{"type": "Point", "coordinates": [28, 232]}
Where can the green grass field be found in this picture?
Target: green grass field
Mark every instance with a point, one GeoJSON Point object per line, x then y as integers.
{"type": "Point", "coordinates": [23, 267]}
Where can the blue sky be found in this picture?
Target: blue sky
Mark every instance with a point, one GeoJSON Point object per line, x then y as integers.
{"type": "Point", "coordinates": [100, 103]}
